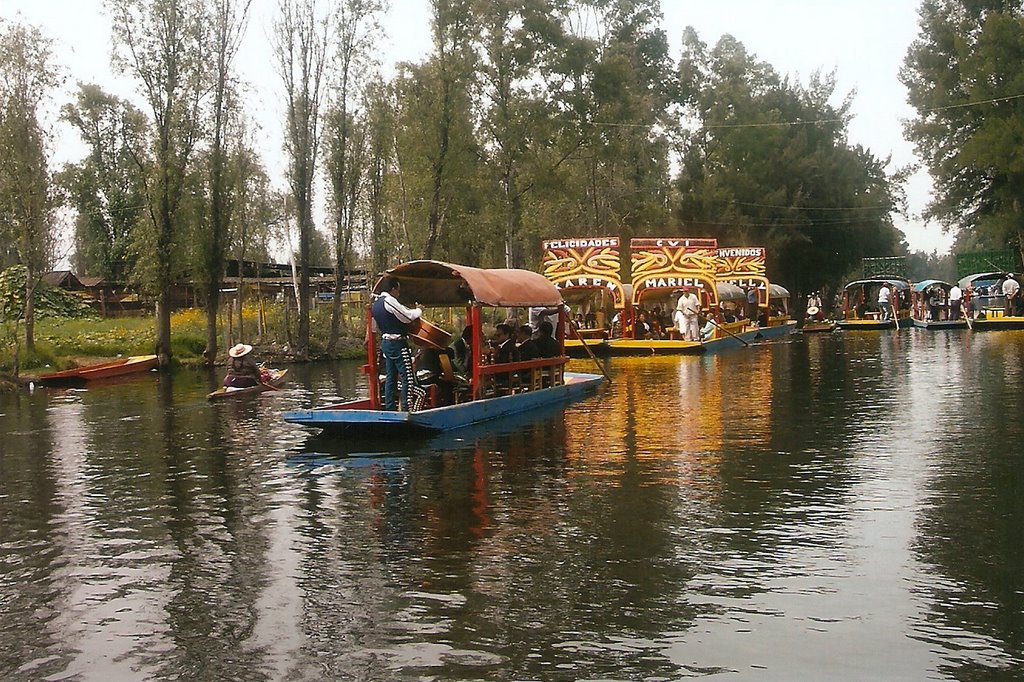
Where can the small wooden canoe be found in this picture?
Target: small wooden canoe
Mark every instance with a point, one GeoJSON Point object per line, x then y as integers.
{"type": "Point", "coordinates": [277, 377]}
{"type": "Point", "coordinates": [104, 370]}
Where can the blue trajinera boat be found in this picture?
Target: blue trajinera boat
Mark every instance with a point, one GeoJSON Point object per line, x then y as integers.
{"type": "Point", "coordinates": [489, 390]}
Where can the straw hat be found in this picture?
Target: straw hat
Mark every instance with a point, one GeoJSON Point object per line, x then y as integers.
{"type": "Point", "coordinates": [812, 310]}
{"type": "Point", "coordinates": [240, 350]}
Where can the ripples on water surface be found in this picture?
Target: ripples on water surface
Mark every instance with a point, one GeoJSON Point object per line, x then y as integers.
{"type": "Point", "coordinates": [838, 507]}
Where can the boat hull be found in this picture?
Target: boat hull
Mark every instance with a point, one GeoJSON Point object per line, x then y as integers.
{"type": "Point", "coordinates": [105, 370]}
{"type": "Point", "coordinates": [356, 417]}
{"type": "Point", "coordinates": [873, 325]}
{"type": "Point", "coordinates": [939, 325]}
{"type": "Point", "coordinates": [775, 330]}
{"type": "Point", "coordinates": [575, 349]}
{"type": "Point", "coordinates": [818, 327]}
{"type": "Point", "coordinates": [1002, 323]}
{"type": "Point", "coordinates": [626, 347]}
{"type": "Point", "coordinates": [225, 392]}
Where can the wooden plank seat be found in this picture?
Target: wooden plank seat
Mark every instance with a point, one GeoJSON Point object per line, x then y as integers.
{"type": "Point", "coordinates": [515, 377]}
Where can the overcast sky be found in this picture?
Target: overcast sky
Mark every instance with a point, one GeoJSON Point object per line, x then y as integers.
{"type": "Point", "coordinates": [864, 41]}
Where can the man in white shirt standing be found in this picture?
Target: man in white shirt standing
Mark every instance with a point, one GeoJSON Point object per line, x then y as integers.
{"type": "Point", "coordinates": [956, 296]}
{"type": "Point", "coordinates": [687, 309]}
{"type": "Point", "coordinates": [885, 301]}
{"type": "Point", "coordinates": [393, 320]}
{"type": "Point", "coordinates": [1011, 288]}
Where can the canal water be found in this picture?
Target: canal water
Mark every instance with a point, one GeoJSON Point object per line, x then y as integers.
{"type": "Point", "coordinates": [847, 507]}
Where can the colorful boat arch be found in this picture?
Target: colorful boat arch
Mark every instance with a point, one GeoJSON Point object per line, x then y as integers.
{"type": "Point", "coordinates": [660, 265]}
{"type": "Point", "coordinates": [585, 263]}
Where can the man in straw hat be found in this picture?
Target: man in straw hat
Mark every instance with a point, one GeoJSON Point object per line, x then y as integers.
{"type": "Point", "coordinates": [243, 371]}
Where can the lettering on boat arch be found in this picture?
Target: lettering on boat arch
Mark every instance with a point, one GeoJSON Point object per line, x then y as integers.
{"type": "Point", "coordinates": [584, 263]}
{"type": "Point", "coordinates": [744, 266]}
{"type": "Point", "coordinates": [673, 263]}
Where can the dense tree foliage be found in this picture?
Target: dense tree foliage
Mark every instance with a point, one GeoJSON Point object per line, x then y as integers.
{"type": "Point", "coordinates": [301, 43]}
{"type": "Point", "coordinates": [965, 77]}
{"type": "Point", "coordinates": [107, 187]}
{"type": "Point", "coordinates": [162, 44]}
{"type": "Point", "coordinates": [769, 164]}
{"type": "Point", "coordinates": [27, 75]}
{"type": "Point", "coordinates": [527, 119]}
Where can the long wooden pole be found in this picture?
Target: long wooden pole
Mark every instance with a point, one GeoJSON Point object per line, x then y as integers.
{"type": "Point", "coordinates": [586, 347]}
{"type": "Point", "coordinates": [738, 337]}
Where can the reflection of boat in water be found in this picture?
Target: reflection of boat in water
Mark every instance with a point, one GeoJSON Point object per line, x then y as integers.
{"type": "Point", "coordinates": [104, 370]}
{"type": "Point", "coordinates": [983, 294]}
{"type": "Point", "coordinates": [930, 307]}
{"type": "Point", "coordinates": [861, 312]}
{"type": "Point", "coordinates": [492, 390]}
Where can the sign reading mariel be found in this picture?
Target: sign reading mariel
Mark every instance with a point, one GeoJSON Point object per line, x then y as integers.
{"type": "Point", "coordinates": [670, 263]}
{"type": "Point", "coordinates": [584, 262]}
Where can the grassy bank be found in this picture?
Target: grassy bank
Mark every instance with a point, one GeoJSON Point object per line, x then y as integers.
{"type": "Point", "coordinates": [62, 343]}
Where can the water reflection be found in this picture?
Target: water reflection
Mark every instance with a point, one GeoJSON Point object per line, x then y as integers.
{"type": "Point", "coordinates": [857, 494]}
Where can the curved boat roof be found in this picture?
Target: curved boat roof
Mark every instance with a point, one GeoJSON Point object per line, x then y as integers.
{"type": "Point", "coordinates": [730, 292]}
{"type": "Point", "coordinates": [432, 282]}
{"type": "Point", "coordinates": [777, 291]}
{"type": "Point", "coordinates": [978, 278]}
{"type": "Point", "coordinates": [925, 283]}
{"type": "Point", "coordinates": [900, 284]}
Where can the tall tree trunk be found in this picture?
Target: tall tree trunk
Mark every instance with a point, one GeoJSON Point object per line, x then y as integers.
{"type": "Point", "coordinates": [163, 327]}
{"type": "Point", "coordinates": [305, 233]}
{"type": "Point", "coordinates": [30, 315]}
{"type": "Point", "coordinates": [339, 277]}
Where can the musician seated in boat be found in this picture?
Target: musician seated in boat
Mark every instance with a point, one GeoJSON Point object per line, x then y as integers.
{"type": "Point", "coordinates": [462, 351]}
{"type": "Point", "coordinates": [430, 370]}
{"type": "Point", "coordinates": [243, 371]}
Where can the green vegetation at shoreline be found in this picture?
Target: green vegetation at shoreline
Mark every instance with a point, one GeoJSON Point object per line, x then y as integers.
{"type": "Point", "coordinates": [63, 342]}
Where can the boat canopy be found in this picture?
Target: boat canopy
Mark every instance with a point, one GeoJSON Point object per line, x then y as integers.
{"type": "Point", "coordinates": [894, 283]}
{"type": "Point", "coordinates": [928, 283]}
{"type": "Point", "coordinates": [435, 283]}
{"type": "Point", "coordinates": [730, 292]}
{"type": "Point", "coordinates": [777, 291]}
{"type": "Point", "coordinates": [983, 279]}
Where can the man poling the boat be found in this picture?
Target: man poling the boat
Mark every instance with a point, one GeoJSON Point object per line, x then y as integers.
{"type": "Point", "coordinates": [393, 320]}
{"type": "Point", "coordinates": [243, 371]}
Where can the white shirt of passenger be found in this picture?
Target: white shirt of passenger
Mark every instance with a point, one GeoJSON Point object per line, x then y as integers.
{"type": "Point", "coordinates": [1010, 287]}
{"type": "Point", "coordinates": [883, 294]}
{"type": "Point", "coordinates": [955, 294]}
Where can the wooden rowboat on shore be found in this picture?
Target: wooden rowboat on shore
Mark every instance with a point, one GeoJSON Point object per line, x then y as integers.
{"type": "Point", "coordinates": [103, 370]}
{"type": "Point", "coordinates": [277, 377]}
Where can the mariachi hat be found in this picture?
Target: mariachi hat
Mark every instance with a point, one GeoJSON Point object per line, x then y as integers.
{"type": "Point", "coordinates": [240, 350]}
{"type": "Point", "coordinates": [812, 310]}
